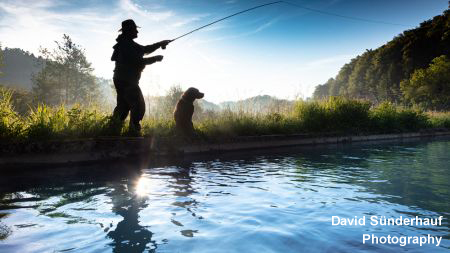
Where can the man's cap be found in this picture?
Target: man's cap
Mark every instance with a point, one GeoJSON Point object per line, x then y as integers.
{"type": "Point", "coordinates": [128, 25]}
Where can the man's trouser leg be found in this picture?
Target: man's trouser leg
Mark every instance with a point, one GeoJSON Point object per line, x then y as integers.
{"type": "Point", "coordinates": [137, 107]}
{"type": "Point", "coordinates": [123, 106]}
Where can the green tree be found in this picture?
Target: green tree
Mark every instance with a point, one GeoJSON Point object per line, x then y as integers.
{"type": "Point", "coordinates": [1, 59]}
{"type": "Point", "coordinates": [321, 90]}
{"type": "Point", "coordinates": [376, 74]}
{"type": "Point", "coordinates": [430, 87]}
{"type": "Point", "coordinates": [67, 76]}
{"type": "Point", "coordinates": [173, 95]}
{"type": "Point", "coordinates": [357, 82]}
{"type": "Point", "coordinates": [163, 107]}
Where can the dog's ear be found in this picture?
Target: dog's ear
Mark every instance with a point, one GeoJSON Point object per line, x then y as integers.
{"type": "Point", "coordinates": [196, 94]}
{"type": "Point", "coordinates": [189, 94]}
{"type": "Point", "coordinates": [192, 94]}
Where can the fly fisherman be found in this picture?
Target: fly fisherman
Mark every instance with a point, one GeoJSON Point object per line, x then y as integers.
{"type": "Point", "coordinates": [130, 62]}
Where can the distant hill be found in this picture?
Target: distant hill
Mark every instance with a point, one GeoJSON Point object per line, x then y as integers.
{"type": "Point", "coordinates": [17, 68]}
{"type": "Point", "coordinates": [384, 73]}
{"type": "Point", "coordinates": [209, 106]}
{"type": "Point", "coordinates": [260, 104]}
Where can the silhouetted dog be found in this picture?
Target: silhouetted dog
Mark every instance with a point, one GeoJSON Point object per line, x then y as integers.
{"type": "Point", "coordinates": [184, 111]}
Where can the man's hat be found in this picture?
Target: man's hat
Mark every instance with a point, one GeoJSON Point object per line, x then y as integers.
{"type": "Point", "coordinates": [128, 25]}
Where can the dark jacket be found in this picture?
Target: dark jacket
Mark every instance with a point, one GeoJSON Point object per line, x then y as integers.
{"type": "Point", "coordinates": [129, 58]}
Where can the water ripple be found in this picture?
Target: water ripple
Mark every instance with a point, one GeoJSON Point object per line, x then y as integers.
{"type": "Point", "coordinates": [262, 203]}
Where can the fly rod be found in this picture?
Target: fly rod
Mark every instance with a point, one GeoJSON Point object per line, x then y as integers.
{"type": "Point", "coordinates": [294, 5]}
{"type": "Point", "coordinates": [232, 15]}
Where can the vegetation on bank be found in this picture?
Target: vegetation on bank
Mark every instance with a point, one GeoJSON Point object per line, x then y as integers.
{"type": "Point", "coordinates": [334, 115]}
{"type": "Point", "coordinates": [412, 69]}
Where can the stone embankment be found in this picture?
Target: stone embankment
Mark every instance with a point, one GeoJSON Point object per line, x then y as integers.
{"type": "Point", "coordinates": [108, 148]}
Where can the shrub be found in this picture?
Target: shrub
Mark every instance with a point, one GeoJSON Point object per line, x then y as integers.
{"type": "Point", "coordinates": [313, 117]}
{"type": "Point", "coordinates": [334, 114]}
{"type": "Point", "coordinates": [387, 117]}
{"type": "Point", "coordinates": [439, 119]}
{"type": "Point", "coordinates": [348, 115]}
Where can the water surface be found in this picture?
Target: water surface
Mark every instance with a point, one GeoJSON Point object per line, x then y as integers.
{"type": "Point", "coordinates": [254, 202]}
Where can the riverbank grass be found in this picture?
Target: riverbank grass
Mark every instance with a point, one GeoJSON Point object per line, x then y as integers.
{"type": "Point", "coordinates": [334, 115]}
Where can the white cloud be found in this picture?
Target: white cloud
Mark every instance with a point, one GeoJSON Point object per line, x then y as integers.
{"type": "Point", "coordinates": [262, 27]}
{"type": "Point", "coordinates": [132, 9]}
{"type": "Point", "coordinates": [186, 21]}
{"type": "Point", "coordinates": [329, 60]}
{"type": "Point", "coordinates": [241, 35]}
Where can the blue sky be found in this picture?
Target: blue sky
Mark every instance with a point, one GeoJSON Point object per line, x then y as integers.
{"type": "Point", "coordinates": [278, 50]}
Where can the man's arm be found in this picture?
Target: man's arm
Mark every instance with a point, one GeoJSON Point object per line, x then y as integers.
{"type": "Point", "coordinates": [152, 48]}
{"type": "Point", "coordinates": [151, 60]}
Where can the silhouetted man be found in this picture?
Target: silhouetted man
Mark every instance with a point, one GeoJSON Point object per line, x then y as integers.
{"type": "Point", "coordinates": [130, 62]}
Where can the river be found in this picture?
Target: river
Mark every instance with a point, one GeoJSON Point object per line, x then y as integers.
{"type": "Point", "coordinates": [259, 201]}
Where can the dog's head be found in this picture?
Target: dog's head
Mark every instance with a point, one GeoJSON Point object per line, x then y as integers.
{"type": "Point", "coordinates": [192, 94]}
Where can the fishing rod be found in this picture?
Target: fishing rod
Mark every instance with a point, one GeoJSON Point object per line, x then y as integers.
{"type": "Point", "coordinates": [232, 15]}
{"type": "Point", "coordinates": [288, 3]}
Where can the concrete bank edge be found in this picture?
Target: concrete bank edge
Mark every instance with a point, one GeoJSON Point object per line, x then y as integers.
{"type": "Point", "coordinates": [202, 148]}
{"type": "Point", "coordinates": [99, 149]}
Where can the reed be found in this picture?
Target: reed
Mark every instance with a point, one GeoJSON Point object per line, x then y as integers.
{"type": "Point", "coordinates": [334, 115]}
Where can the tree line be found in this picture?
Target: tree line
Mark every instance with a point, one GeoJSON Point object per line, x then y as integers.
{"type": "Point", "coordinates": [17, 67]}
{"type": "Point", "coordinates": [66, 77]}
{"type": "Point", "coordinates": [58, 76]}
{"type": "Point", "coordinates": [412, 69]}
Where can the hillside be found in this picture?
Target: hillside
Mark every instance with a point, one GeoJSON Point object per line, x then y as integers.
{"type": "Point", "coordinates": [260, 104]}
{"type": "Point", "coordinates": [208, 106]}
{"type": "Point", "coordinates": [257, 104]}
{"type": "Point", "coordinates": [17, 68]}
{"type": "Point", "coordinates": [384, 73]}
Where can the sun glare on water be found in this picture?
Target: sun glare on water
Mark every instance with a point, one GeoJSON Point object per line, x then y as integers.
{"type": "Point", "coordinates": [147, 186]}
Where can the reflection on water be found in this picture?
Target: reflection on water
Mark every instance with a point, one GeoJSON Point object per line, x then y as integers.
{"type": "Point", "coordinates": [129, 235]}
{"type": "Point", "coordinates": [273, 202]}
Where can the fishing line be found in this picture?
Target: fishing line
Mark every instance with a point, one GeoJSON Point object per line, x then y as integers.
{"type": "Point", "coordinates": [295, 5]}
{"type": "Point", "coordinates": [237, 13]}
{"type": "Point", "coordinates": [343, 16]}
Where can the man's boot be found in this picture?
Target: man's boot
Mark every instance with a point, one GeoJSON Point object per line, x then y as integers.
{"type": "Point", "coordinates": [135, 129]}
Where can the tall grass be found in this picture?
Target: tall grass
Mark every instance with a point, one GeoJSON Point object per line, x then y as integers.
{"type": "Point", "coordinates": [232, 124]}
{"type": "Point", "coordinates": [335, 115]}
{"type": "Point", "coordinates": [387, 117]}
{"type": "Point", "coordinates": [11, 125]}
{"type": "Point", "coordinates": [439, 119]}
{"type": "Point", "coordinates": [47, 123]}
